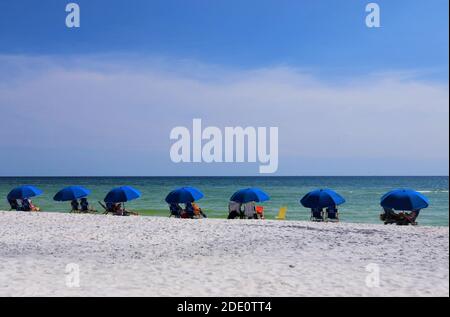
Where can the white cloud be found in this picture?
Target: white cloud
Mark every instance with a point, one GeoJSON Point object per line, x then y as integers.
{"type": "Point", "coordinates": [132, 103]}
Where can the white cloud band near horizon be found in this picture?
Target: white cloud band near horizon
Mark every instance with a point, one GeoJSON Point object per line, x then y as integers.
{"type": "Point", "coordinates": [112, 115]}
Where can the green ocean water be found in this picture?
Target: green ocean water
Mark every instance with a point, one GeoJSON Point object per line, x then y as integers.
{"type": "Point", "coordinates": [361, 193]}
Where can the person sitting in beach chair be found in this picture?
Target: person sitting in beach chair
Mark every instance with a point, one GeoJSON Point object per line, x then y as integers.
{"type": "Point", "coordinates": [412, 216]}
{"type": "Point", "coordinates": [27, 205]}
{"type": "Point", "coordinates": [85, 207]}
{"type": "Point", "coordinates": [332, 214]}
{"type": "Point", "coordinates": [125, 212]}
{"type": "Point", "coordinates": [389, 216]}
{"type": "Point", "coordinates": [249, 210]}
{"type": "Point", "coordinates": [175, 210]}
{"type": "Point", "coordinates": [14, 204]}
{"type": "Point", "coordinates": [234, 210]}
{"type": "Point", "coordinates": [188, 211]}
{"type": "Point", "coordinates": [75, 206]}
{"type": "Point", "coordinates": [198, 212]}
{"type": "Point", "coordinates": [408, 218]}
{"type": "Point", "coordinates": [109, 208]}
{"type": "Point", "coordinates": [317, 214]}
{"type": "Point", "coordinates": [119, 210]}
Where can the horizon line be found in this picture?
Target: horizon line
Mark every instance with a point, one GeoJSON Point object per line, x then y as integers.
{"type": "Point", "coordinates": [211, 176]}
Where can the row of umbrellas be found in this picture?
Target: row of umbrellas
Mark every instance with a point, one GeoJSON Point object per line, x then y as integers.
{"type": "Point", "coordinates": [116, 195]}
{"type": "Point", "coordinates": [190, 194]}
{"type": "Point", "coordinates": [399, 199]}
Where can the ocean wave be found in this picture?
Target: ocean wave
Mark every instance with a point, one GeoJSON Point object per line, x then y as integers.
{"type": "Point", "coordinates": [432, 191]}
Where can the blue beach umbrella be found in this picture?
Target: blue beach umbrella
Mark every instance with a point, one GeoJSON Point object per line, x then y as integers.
{"type": "Point", "coordinates": [322, 198]}
{"type": "Point", "coordinates": [249, 194]}
{"type": "Point", "coordinates": [23, 192]}
{"type": "Point", "coordinates": [71, 193]}
{"type": "Point", "coordinates": [122, 194]}
{"type": "Point", "coordinates": [183, 195]}
{"type": "Point", "coordinates": [404, 199]}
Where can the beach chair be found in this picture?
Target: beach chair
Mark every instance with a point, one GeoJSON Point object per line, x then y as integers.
{"type": "Point", "coordinates": [107, 210]}
{"type": "Point", "coordinates": [408, 219]}
{"type": "Point", "coordinates": [111, 208]}
{"type": "Point", "coordinates": [85, 207]}
{"type": "Point", "coordinates": [259, 212]}
{"type": "Point", "coordinates": [75, 206]}
{"type": "Point", "coordinates": [234, 210]}
{"type": "Point", "coordinates": [332, 214]}
{"type": "Point", "coordinates": [281, 213]}
{"type": "Point", "coordinates": [389, 216]}
{"type": "Point", "coordinates": [317, 214]}
{"type": "Point", "coordinates": [14, 205]}
{"type": "Point", "coordinates": [249, 210]}
{"type": "Point", "coordinates": [26, 205]}
{"type": "Point", "coordinates": [175, 210]}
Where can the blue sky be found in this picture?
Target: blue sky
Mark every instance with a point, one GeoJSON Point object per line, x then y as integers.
{"type": "Point", "coordinates": [309, 55]}
{"type": "Point", "coordinates": [327, 34]}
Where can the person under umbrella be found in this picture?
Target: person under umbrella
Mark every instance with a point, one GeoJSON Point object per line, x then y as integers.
{"type": "Point", "coordinates": [75, 205]}
{"type": "Point", "coordinates": [27, 205]}
{"type": "Point", "coordinates": [116, 198]}
{"type": "Point", "coordinates": [402, 200]}
{"type": "Point", "coordinates": [85, 207]}
{"type": "Point", "coordinates": [247, 198]}
{"type": "Point", "coordinates": [72, 194]}
{"type": "Point", "coordinates": [14, 204]}
{"type": "Point", "coordinates": [23, 194]}
{"type": "Point", "coordinates": [186, 196]}
{"type": "Point", "coordinates": [175, 210]}
{"type": "Point", "coordinates": [234, 210]}
{"type": "Point", "coordinates": [319, 199]}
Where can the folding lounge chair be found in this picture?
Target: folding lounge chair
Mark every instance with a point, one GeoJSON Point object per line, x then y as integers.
{"type": "Point", "coordinates": [13, 204]}
{"type": "Point", "coordinates": [332, 214]}
{"type": "Point", "coordinates": [317, 214]}
{"type": "Point", "coordinates": [108, 208]}
{"type": "Point", "coordinates": [75, 206]}
{"type": "Point", "coordinates": [26, 205]}
{"type": "Point", "coordinates": [408, 219]}
{"type": "Point", "coordinates": [389, 216]}
{"type": "Point", "coordinates": [175, 211]}
{"type": "Point", "coordinates": [282, 213]}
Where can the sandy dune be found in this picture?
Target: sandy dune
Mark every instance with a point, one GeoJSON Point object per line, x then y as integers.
{"type": "Point", "coordinates": [149, 256]}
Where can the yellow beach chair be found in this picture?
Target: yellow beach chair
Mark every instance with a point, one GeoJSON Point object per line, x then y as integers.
{"type": "Point", "coordinates": [281, 213]}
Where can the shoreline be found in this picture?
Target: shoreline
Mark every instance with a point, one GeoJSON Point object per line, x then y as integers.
{"type": "Point", "coordinates": [159, 213]}
{"type": "Point", "coordinates": [158, 256]}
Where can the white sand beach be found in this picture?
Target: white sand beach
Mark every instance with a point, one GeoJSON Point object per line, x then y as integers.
{"type": "Point", "coordinates": [151, 256]}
